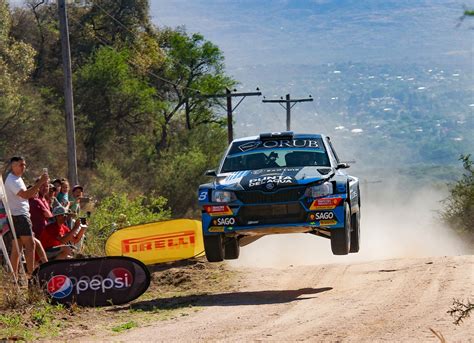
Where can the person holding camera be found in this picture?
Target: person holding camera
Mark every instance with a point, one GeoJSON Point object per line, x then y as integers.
{"type": "Point", "coordinates": [17, 196]}
{"type": "Point", "coordinates": [40, 211]}
{"type": "Point", "coordinates": [77, 198]}
{"type": "Point", "coordinates": [57, 239]}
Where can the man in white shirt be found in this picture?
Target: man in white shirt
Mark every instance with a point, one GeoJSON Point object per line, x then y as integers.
{"type": "Point", "coordinates": [18, 196]}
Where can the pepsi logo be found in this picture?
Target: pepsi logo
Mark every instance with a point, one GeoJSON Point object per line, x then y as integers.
{"type": "Point", "coordinates": [119, 275]}
{"type": "Point", "coordinates": [59, 286]}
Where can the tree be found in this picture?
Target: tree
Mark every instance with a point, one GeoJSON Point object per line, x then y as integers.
{"type": "Point", "coordinates": [138, 96]}
{"type": "Point", "coordinates": [196, 67]}
{"type": "Point", "coordinates": [180, 169]}
{"type": "Point", "coordinates": [118, 22]}
{"type": "Point", "coordinates": [459, 210]}
{"type": "Point", "coordinates": [113, 103]}
{"type": "Point", "coordinates": [16, 64]}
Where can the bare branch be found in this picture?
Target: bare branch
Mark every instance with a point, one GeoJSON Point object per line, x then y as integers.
{"type": "Point", "coordinates": [460, 310]}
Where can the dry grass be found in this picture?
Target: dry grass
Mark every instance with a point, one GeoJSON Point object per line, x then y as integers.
{"type": "Point", "coordinates": [25, 312]}
{"type": "Point", "coordinates": [174, 291]}
{"type": "Point", "coordinates": [438, 335]}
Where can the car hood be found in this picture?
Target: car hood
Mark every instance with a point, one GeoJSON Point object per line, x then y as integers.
{"type": "Point", "coordinates": [272, 178]}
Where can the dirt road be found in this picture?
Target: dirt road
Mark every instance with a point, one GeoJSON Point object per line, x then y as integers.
{"type": "Point", "coordinates": [390, 300]}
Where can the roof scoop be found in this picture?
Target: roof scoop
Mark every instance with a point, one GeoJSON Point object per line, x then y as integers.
{"type": "Point", "coordinates": [271, 136]}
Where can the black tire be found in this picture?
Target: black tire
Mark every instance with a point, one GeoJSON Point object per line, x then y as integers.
{"type": "Point", "coordinates": [231, 248]}
{"type": "Point", "coordinates": [341, 238]}
{"type": "Point", "coordinates": [214, 248]}
{"type": "Point", "coordinates": [355, 233]}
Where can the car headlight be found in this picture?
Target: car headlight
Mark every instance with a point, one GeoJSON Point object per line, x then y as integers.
{"type": "Point", "coordinates": [223, 196]}
{"type": "Point", "coordinates": [319, 190]}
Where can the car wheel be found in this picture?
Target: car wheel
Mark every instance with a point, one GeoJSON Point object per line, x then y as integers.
{"type": "Point", "coordinates": [341, 237]}
{"type": "Point", "coordinates": [231, 248]}
{"type": "Point", "coordinates": [214, 248]}
{"type": "Point", "coordinates": [355, 233]}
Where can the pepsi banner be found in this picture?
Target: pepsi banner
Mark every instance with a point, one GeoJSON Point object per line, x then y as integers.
{"type": "Point", "coordinates": [100, 281]}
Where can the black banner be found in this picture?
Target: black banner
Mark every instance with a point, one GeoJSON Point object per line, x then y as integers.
{"type": "Point", "coordinates": [100, 281]}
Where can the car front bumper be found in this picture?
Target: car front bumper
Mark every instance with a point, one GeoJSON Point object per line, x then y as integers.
{"type": "Point", "coordinates": [303, 215]}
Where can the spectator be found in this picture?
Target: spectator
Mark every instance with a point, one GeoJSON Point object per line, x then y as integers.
{"type": "Point", "coordinates": [77, 196]}
{"type": "Point", "coordinates": [52, 197]}
{"type": "Point", "coordinates": [63, 195]}
{"type": "Point", "coordinates": [18, 196]}
{"type": "Point", "coordinates": [57, 239]}
{"type": "Point", "coordinates": [39, 210]}
{"type": "Point", "coordinates": [57, 183]}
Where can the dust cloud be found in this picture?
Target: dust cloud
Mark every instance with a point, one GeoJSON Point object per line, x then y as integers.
{"type": "Point", "coordinates": [396, 222]}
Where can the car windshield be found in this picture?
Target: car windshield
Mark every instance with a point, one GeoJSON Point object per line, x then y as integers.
{"type": "Point", "coordinates": [275, 158]}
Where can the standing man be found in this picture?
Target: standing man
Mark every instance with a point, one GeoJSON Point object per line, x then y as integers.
{"type": "Point", "coordinates": [18, 196]}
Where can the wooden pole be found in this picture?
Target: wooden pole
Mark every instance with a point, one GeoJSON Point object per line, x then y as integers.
{"type": "Point", "coordinates": [68, 96]}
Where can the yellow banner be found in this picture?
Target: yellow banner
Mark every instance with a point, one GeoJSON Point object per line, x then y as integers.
{"type": "Point", "coordinates": [158, 242]}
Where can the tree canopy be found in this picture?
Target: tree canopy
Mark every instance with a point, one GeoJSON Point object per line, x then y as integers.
{"type": "Point", "coordinates": [141, 116]}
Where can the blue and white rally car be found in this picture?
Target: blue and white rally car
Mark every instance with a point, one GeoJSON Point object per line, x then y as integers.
{"type": "Point", "coordinates": [279, 183]}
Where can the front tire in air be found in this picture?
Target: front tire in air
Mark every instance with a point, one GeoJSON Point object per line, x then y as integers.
{"type": "Point", "coordinates": [214, 248]}
{"type": "Point", "coordinates": [341, 237]}
{"type": "Point", "coordinates": [232, 248]}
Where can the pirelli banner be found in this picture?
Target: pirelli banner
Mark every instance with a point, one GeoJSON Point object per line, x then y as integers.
{"type": "Point", "coordinates": [158, 242]}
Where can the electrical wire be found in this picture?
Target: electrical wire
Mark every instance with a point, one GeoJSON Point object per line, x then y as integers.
{"type": "Point", "coordinates": [131, 62]}
{"type": "Point", "coordinates": [137, 37]}
{"type": "Point", "coordinates": [322, 121]}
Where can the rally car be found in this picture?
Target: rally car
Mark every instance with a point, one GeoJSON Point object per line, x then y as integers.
{"type": "Point", "coordinates": [279, 183]}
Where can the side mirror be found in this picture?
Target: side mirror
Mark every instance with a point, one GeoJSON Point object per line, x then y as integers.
{"type": "Point", "coordinates": [210, 172]}
{"type": "Point", "coordinates": [342, 166]}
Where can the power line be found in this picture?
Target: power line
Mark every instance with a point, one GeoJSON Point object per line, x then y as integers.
{"type": "Point", "coordinates": [290, 103]}
{"type": "Point", "coordinates": [131, 62]}
{"type": "Point", "coordinates": [130, 31]}
{"type": "Point", "coordinates": [229, 95]}
{"type": "Point", "coordinates": [323, 122]}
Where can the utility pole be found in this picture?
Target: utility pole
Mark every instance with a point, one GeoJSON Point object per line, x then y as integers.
{"type": "Point", "coordinates": [68, 98]}
{"type": "Point", "coordinates": [289, 105]}
{"type": "Point", "coordinates": [229, 95]}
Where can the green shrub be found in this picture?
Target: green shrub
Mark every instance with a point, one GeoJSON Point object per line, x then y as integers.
{"type": "Point", "coordinates": [459, 210]}
{"type": "Point", "coordinates": [179, 178]}
{"type": "Point", "coordinates": [117, 211]}
{"type": "Point", "coordinates": [106, 180]}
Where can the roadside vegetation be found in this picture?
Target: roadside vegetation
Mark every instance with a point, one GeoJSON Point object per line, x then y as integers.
{"type": "Point", "coordinates": [142, 127]}
{"type": "Point", "coordinates": [144, 134]}
{"type": "Point", "coordinates": [459, 215]}
{"type": "Point", "coordinates": [175, 292]}
{"type": "Point", "coordinates": [27, 314]}
{"type": "Point", "coordinates": [459, 206]}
